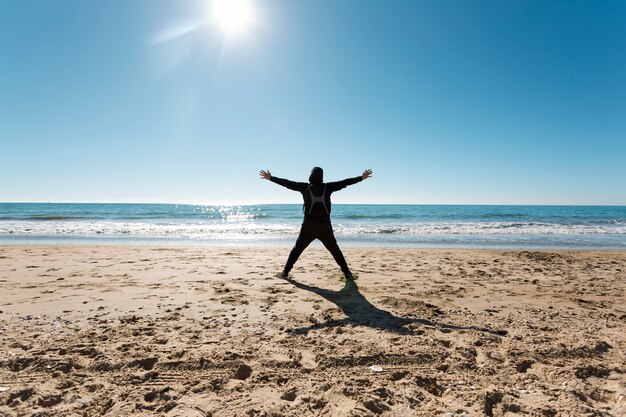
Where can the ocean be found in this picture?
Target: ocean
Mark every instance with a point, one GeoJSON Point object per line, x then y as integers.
{"type": "Point", "coordinates": [465, 226]}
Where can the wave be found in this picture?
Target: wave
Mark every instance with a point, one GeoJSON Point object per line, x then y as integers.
{"type": "Point", "coordinates": [481, 228]}
{"type": "Point", "coordinates": [244, 229]}
{"type": "Point", "coordinates": [502, 215]}
{"type": "Point", "coordinates": [143, 217]}
{"type": "Point", "coordinates": [55, 217]}
{"type": "Point", "coordinates": [392, 216]}
{"type": "Point", "coordinates": [47, 217]}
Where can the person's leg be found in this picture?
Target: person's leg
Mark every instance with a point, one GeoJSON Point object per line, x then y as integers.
{"type": "Point", "coordinates": [327, 237]}
{"type": "Point", "coordinates": [305, 238]}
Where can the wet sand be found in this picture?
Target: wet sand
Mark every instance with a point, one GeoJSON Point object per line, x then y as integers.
{"type": "Point", "coordinates": [210, 331]}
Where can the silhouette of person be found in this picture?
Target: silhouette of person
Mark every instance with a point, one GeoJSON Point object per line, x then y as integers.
{"type": "Point", "coordinates": [316, 224]}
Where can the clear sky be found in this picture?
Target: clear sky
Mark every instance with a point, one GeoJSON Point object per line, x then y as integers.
{"type": "Point", "coordinates": [470, 102]}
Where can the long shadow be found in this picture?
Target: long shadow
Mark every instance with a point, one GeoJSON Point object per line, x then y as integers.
{"type": "Point", "coordinates": [360, 312]}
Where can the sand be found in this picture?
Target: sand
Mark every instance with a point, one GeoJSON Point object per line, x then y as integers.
{"type": "Point", "coordinates": [209, 331]}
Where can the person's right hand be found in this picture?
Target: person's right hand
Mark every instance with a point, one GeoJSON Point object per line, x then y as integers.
{"type": "Point", "coordinates": [366, 174]}
{"type": "Point", "coordinates": [266, 175]}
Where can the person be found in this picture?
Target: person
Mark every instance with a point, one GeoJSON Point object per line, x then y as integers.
{"type": "Point", "coordinates": [316, 224]}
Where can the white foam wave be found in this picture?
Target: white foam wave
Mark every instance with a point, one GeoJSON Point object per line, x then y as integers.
{"type": "Point", "coordinates": [245, 230]}
{"type": "Point", "coordinates": [225, 230]}
{"type": "Point", "coordinates": [492, 228]}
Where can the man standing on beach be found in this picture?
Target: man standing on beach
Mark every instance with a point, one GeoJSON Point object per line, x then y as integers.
{"type": "Point", "coordinates": [316, 224]}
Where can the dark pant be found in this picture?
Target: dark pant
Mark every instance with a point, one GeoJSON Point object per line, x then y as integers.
{"type": "Point", "coordinates": [313, 229]}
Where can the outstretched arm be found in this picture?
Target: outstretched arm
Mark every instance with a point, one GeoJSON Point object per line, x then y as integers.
{"type": "Point", "coordinates": [292, 185]}
{"type": "Point", "coordinates": [336, 186]}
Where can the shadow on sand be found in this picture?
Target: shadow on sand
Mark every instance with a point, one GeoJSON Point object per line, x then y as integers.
{"type": "Point", "coordinates": [360, 312]}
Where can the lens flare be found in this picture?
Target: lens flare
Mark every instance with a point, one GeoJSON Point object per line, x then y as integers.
{"type": "Point", "coordinates": [233, 16]}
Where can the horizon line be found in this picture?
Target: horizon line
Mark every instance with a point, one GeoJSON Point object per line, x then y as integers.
{"type": "Point", "coordinates": [335, 204]}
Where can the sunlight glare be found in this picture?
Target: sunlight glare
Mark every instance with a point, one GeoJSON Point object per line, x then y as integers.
{"type": "Point", "coordinates": [233, 16]}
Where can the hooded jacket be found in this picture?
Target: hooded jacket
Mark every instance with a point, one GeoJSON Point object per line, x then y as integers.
{"type": "Point", "coordinates": [317, 187]}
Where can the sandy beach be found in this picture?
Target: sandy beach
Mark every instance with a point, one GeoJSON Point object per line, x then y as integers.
{"type": "Point", "coordinates": [211, 331]}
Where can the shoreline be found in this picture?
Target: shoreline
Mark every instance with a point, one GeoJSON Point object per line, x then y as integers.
{"type": "Point", "coordinates": [207, 330]}
{"type": "Point", "coordinates": [288, 243]}
{"type": "Point", "coordinates": [480, 226]}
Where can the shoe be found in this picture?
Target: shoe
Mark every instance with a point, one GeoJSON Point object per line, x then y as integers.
{"type": "Point", "coordinates": [283, 275]}
{"type": "Point", "coordinates": [348, 275]}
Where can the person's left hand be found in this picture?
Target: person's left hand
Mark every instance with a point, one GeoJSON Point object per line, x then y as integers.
{"type": "Point", "coordinates": [366, 174]}
{"type": "Point", "coordinates": [266, 175]}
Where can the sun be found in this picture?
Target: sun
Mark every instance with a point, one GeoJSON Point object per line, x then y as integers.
{"type": "Point", "coordinates": [233, 16]}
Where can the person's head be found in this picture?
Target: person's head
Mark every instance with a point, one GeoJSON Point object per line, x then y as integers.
{"type": "Point", "coordinates": [317, 176]}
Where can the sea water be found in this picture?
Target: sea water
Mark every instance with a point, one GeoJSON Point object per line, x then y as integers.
{"type": "Point", "coordinates": [575, 227]}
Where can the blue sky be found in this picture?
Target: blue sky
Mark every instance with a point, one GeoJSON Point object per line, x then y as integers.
{"type": "Point", "coordinates": [470, 102]}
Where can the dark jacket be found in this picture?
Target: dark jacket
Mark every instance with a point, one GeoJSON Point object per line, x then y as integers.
{"type": "Point", "coordinates": [318, 210]}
